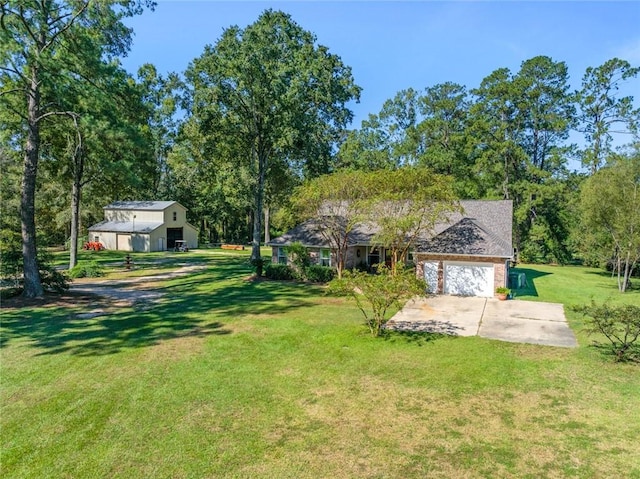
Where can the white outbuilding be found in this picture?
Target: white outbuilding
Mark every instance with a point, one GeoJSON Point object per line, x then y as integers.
{"type": "Point", "coordinates": [144, 226]}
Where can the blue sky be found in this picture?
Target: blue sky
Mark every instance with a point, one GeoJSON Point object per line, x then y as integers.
{"type": "Point", "coordinates": [395, 45]}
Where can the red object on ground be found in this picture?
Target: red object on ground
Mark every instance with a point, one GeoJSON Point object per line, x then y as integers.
{"type": "Point", "coordinates": [93, 245]}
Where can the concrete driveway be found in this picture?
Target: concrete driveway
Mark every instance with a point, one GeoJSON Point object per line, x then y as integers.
{"type": "Point", "coordinates": [515, 321]}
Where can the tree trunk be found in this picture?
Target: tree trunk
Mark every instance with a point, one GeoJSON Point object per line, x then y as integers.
{"type": "Point", "coordinates": [627, 272]}
{"type": "Point", "coordinates": [32, 284]}
{"type": "Point", "coordinates": [257, 216]}
{"type": "Point", "coordinates": [267, 236]}
{"type": "Point", "coordinates": [76, 197]}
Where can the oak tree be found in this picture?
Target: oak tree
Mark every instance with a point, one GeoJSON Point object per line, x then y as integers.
{"type": "Point", "coordinates": [270, 91]}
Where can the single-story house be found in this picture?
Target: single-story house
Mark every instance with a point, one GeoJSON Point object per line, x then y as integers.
{"type": "Point", "coordinates": [144, 226]}
{"type": "Point", "coordinates": [468, 254]}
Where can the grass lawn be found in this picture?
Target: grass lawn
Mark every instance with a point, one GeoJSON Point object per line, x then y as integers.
{"type": "Point", "coordinates": [243, 379]}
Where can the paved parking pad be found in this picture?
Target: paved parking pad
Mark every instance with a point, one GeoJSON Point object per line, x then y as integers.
{"type": "Point", "coordinates": [514, 321]}
{"type": "Point", "coordinates": [526, 322]}
{"type": "Point", "coordinates": [439, 314]}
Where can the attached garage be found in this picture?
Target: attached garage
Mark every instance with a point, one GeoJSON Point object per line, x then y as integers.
{"type": "Point", "coordinates": [468, 279]}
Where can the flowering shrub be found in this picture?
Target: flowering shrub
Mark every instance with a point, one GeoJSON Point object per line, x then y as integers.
{"type": "Point", "coordinates": [93, 245]}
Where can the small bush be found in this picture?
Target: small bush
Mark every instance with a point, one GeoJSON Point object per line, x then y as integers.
{"type": "Point", "coordinates": [52, 279]}
{"type": "Point", "coordinates": [279, 272]}
{"type": "Point", "coordinates": [319, 274]}
{"type": "Point", "coordinates": [86, 270]}
{"type": "Point", "coordinates": [11, 265]}
{"type": "Point", "coordinates": [259, 265]}
{"type": "Point", "coordinates": [619, 324]}
{"type": "Point", "coordinates": [300, 260]}
{"type": "Point", "coordinates": [374, 294]}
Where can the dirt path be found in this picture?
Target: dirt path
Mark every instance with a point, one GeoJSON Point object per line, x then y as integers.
{"type": "Point", "coordinates": [128, 292]}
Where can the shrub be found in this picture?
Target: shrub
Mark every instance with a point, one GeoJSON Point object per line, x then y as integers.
{"type": "Point", "coordinates": [374, 294]}
{"type": "Point", "coordinates": [11, 256]}
{"type": "Point", "coordinates": [90, 269]}
{"type": "Point", "coordinates": [279, 272]}
{"type": "Point", "coordinates": [52, 279]}
{"type": "Point", "coordinates": [259, 265]}
{"type": "Point", "coordinates": [619, 324]}
{"type": "Point", "coordinates": [299, 256]}
{"type": "Point", "coordinates": [319, 274]}
{"type": "Point", "coordinates": [11, 264]}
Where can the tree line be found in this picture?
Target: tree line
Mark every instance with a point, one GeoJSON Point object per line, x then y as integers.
{"type": "Point", "coordinates": [265, 109]}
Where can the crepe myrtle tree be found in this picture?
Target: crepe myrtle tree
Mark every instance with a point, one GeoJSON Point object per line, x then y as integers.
{"type": "Point", "coordinates": [375, 294]}
{"type": "Point", "coordinates": [335, 204]}
{"type": "Point", "coordinates": [612, 227]}
{"type": "Point", "coordinates": [399, 205]}
{"type": "Point", "coordinates": [406, 204]}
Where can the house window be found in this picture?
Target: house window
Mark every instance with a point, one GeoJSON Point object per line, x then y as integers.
{"type": "Point", "coordinates": [410, 257]}
{"type": "Point", "coordinates": [282, 256]}
{"type": "Point", "coordinates": [175, 216]}
{"type": "Point", "coordinates": [325, 257]}
{"type": "Point", "coordinates": [96, 239]}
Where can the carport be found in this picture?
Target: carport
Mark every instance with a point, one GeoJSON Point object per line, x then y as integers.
{"type": "Point", "coordinates": [514, 321]}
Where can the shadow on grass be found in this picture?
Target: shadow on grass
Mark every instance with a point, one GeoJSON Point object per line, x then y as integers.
{"type": "Point", "coordinates": [632, 355]}
{"type": "Point", "coordinates": [634, 281]}
{"type": "Point", "coordinates": [198, 305]}
{"type": "Point", "coordinates": [532, 275]}
{"type": "Point", "coordinates": [417, 337]}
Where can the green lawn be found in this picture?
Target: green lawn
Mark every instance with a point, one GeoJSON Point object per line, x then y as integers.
{"type": "Point", "coordinates": [233, 378]}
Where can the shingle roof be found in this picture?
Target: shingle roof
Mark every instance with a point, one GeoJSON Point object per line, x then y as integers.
{"type": "Point", "coordinates": [466, 237]}
{"type": "Point", "coordinates": [126, 226]}
{"type": "Point", "coordinates": [307, 233]}
{"type": "Point", "coordinates": [495, 215]}
{"type": "Point", "coordinates": [139, 205]}
{"type": "Point", "coordinates": [483, 228]}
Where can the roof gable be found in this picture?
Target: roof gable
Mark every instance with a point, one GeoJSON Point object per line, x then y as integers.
{"type": "Point", "coordinates": [466, 237]}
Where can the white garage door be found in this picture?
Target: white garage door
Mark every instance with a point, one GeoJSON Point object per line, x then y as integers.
{"type": "Point", "coordinates": [124, 242]}
{"type": "Point", "coordinates": [431, 276]}
{"type": "Point", "coordinates": [468, 279]}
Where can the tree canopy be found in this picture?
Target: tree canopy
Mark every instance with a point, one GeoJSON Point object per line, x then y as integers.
{"type": "Point", "coordinates": [610, 207]}
{"type": "Point", "coordinates": [268, 99]}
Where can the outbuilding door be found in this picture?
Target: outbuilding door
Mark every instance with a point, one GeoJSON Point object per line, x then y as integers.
{"type": "Point", "coordinates": [173, 234]}
{"type": "Point", "coordinates": [124, 242]}
{"type": "Point", "coordinates": [468, 279]}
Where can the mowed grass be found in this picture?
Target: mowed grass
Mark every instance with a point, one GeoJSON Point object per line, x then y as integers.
{"type": "Point", "coordinates": [243, 379]}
